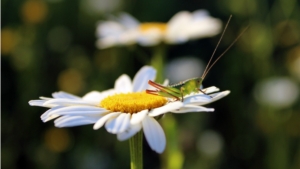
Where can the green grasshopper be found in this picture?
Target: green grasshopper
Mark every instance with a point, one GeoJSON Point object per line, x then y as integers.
{"type": "Point", "coordinates": [181, 89]}
{"type": "Point", "coordinates": [178, 90]}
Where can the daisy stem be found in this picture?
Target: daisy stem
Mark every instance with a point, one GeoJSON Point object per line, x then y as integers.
{"type": "Point", "coordinates": [136, 151]}
{"type": "Point", "coordinates": [158, 59]}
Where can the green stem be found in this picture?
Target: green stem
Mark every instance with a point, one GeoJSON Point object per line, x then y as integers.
{"type": "Point", "coordinates": [158, 60]}
{"type": "Point", "coordinates": [136, 151]}
{"type": "Point", "coordinates": [173, 157]}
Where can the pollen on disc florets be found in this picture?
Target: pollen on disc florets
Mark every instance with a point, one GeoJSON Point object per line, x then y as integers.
{"type": "Point", "coordinates": [132, 102]}
{"type": "Point", "coordinates": [144, 27]}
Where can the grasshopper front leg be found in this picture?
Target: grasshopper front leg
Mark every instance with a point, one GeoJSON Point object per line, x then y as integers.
{"type": "Point", "coordinates": [203, 92]}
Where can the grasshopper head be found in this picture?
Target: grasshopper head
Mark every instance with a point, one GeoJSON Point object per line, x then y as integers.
{"type": "Point", "coordinates": [199, 81]}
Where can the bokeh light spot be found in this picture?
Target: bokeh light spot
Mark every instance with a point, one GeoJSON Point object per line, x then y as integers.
{"type": "Point", "coordinates": [106, 60]}
{"type": "Point", "coordinates": [184, 68]}
{"type": "Point", "coordinates": [34, 11]}
{"type": "Point", "coordinates": [280, 92]}
{"type": "Point", "coordinates": [79, 59]}
{"type": "Point", "coordinates": [210, 143]}
{"type": "Point", "coordinates": [71, 81]}
{"type": "Point", "coordinates": [287, 33]}
{"type": "Point", "coordinates": [97, 7]}
{"type": "Point", "coordinates": [241, 8]}
{"type": "Point", "coordinates": [8, 41]}
{"type": "Point", "coordinates": [57, 140]}
{"type": "Point", "coordinates": [260, 41]}
{"type": "Point", "coordinates": [293, 61]}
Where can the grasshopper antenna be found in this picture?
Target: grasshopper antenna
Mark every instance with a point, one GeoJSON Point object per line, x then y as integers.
{"type": "Point", "coordinates": [208, 67]}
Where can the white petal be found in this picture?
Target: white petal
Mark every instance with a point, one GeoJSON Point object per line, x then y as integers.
{"type": "Point", "coordinates": [45, 98]}
{"type": "Point", "coordinates": [119, 124]}
{"type": "Point", "coordinates": [92, 96]}
{"type": "Point", "coordinates": [108, 93]}
{"type": "Point", "coordinates": [109, 28]}
{"type": "Point", "coordinates": [193, 108]}
{"type": "Point", "coordinates": [46, 117]}
{"type": "Point", "coordinates": [166, 108]}
{"type": "Point", "coordinates": [127, 20]}
{"type": "Point", "coordinates": [129, 37]}
{"type": "Point", "coordinates": [154, 134]}
{"type": "Point", "coordinates": [65, 95]}
{"type": "Point", "coordinates": [103, 119]}
{"type": "Point", "coordinates": [109, 33]}
{"type": "Point", "coordinates": [217, 96]}
{"type": "Point", "coordinates": [78, 110]}
{"type": "Point", "coordinates": [211, 89]}
{"type": "Point", "coordinates": [150, 38]}
{"type": "Point", "coordinates": [123, 84]}
{"type": "Point", "coordinates": [68, 102]}
{"type": "Point", "coordinates": [197, 99]}
{"type": "Point", "coordinates": [166, 82]}
{"type": "Point", "coordinates": [71, 121]}
{"type": "Point", "coordinates": [179, 19]}
{"type": "Point", "coordinates": [177, 26]}
{"type": "Point", "coordinates": [140, 81]}
{"type": "Point", "coordinates": [96, 97]}
{"type": "Point", "coordinates": [53, 116]}
{"type": "Point", "coordinates": [132, 130]}
{"type": "Point", "coordinates": [205, 27]}
{"type": "Point", "coordinates": [200, 14]}
{"type": "Point", "coordinates": [106, 42]}
{"type": "Point", "coordinates": [138, 117]}
{"type": "Point", "coordinates": [37, 103]}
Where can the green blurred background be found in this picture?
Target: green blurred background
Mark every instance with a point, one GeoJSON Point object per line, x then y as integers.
{"type": "Point", "coordinates": [49, 45]}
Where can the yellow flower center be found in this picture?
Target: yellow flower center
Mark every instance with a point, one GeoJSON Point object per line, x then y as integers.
{"type": "Point", "coordinates": [132, 102]}
{"type": "Point", "coordinates": [148, 26]}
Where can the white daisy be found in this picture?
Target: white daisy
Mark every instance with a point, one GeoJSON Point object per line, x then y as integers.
{"type": "Point", "coordinates": [183, 26]}
{"type": "Point", "coordinates": [124, 110]}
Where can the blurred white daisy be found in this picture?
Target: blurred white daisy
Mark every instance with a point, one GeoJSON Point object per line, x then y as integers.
{"type": "Point", "coordinates": [124, 110]}
{"type": "Point", "coordinates": [277, 92]}
{"type": "Point", "coordinates": [183, 26]}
